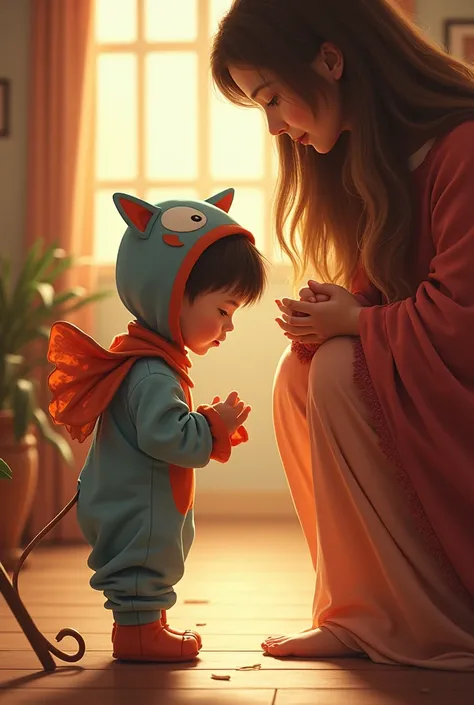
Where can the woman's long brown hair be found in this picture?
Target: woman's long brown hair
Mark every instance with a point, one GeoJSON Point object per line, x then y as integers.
{"type": "Point", "coordinates": [353, 206]}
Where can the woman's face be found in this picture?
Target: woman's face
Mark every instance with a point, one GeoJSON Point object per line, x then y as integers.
{"type": "Point", "coordinates": [287, 113]}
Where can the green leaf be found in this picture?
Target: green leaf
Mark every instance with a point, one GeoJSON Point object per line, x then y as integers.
{"type": "Point", "coordinates": [29, 367]}
{"type": "Point", "coordinates": [10, 368]}
{"type": "Point", "coordinates": [22, 401]}
{"type": "Point", "coordinates": [26, 273]}
{"type": "Point", "coordinates": [30, 334]}
{"type": "Point", "coordinates": [43, 332]}
{"type": "Point", "coordinates": [13, 363]}
{"type": "Point", "coordinates": [60, 267]}
{"type": "Point", "coordinates": [4, 287]}
{"type": "Point", "coordinates": [23, 295]}
{"type": "Point", "coordinates": [92, 298]}
{"type": "Point", "coordinates": [52, 437]}
{"type": "Point", "coordinates": [37, 262]}
{"type": "Point", "coordinates": [44, 262]}
{"type": "Point", "coordinates": [63, 297]}
{"type": "Point", "coordinates": [5, 471]}
{"type": "Point", "coordinates": [28, 309]}
{"type": "Point", "coordinates": [46, 292]}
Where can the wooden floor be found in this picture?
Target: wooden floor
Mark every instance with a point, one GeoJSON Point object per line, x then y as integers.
{"type": "Point", "coordinates": [247, 581]}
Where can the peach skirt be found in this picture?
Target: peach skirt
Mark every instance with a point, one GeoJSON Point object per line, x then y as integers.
{"type": "Point", "coordinates": [376, 587]}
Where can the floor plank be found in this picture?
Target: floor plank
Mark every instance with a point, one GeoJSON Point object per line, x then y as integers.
{"type": "Point", "coordinates": [103, 623]}
{"type": "Point", "coordinates": [146, 676]}
{"type": "Point", "coordinates": [216, 696]}
{"type": "Point", "coordinates": [182, 610]}
{"type": "Point", "coordinates": [214, 642]}
{"type": "Point", "coordinates": [404, 696]}
{"type": "Point", "coordinates": [230, 660]}
{"type": "Point", "coordinates": [239, 580]}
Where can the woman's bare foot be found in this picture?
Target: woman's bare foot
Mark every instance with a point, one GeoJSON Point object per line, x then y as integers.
{"type": "Point", "coordinates": [312, 643]}
{"type": "Point", "coordinates": [282, 636]}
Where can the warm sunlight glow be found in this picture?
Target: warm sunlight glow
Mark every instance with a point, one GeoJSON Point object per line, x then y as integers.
{"type": "Point", "coordinates": [116, 137]}
{"type": "Point", "coordinates": [171, 20]}
{"type": "Point", "coordinates": [162, 130]}
{"type": "Point", "coordinates": [217, 8]}
{"type": "Point", "coordinates": [108, 225]}
{"type": "Point", "coordinates": [231, 128]}
{"type": "Point", "coordinates": [157, 195]}
{"type": "Point", "coordinates": [116, 21]}
{"type": "Point", "coordinates": [248, 209]}
{"type": "Point", "coordinates": [171, 115]}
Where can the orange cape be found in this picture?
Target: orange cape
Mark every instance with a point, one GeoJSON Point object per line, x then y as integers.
{"type": "Point", "coordinates": [86, 375]}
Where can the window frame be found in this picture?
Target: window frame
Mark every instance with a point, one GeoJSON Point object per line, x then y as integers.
{"type": "Point", "coordinates": [205, 184]}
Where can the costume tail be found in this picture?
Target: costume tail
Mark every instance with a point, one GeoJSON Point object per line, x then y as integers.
{"type": "Point", "coordinates": [64, 632]}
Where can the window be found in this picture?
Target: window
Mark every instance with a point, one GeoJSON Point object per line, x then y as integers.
{"type": "Point", "coordinates": [161, 128]}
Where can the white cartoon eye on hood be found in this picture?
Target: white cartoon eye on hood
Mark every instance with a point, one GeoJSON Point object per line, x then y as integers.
{"type": "Point", "coordinates": [183, 219]}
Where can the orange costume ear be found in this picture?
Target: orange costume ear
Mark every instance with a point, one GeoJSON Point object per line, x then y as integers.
{"type": "Point", "coordinates": [222, 200]}
{"type": "Point", "coordinates": [138, 214]}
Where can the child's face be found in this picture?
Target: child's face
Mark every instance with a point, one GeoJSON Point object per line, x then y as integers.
{"type": "Point", "coordinates": [206, 321]}
{"type": "Point", "coordinates": [286, 113]}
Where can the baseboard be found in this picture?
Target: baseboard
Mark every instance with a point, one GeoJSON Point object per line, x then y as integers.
{"type": "Point", "coordinates": [244, 504]}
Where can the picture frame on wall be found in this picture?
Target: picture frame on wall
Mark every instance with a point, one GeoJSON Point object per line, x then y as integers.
{"type": "Point", "coordinates": [459, 38]}
{"type": "Point", "coordinates": [4, 107]}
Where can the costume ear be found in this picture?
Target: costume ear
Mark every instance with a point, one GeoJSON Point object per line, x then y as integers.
{"type": "Point", "coordinates": [136, 213]}
{"type": "Point", "coordinates": [223, 200]}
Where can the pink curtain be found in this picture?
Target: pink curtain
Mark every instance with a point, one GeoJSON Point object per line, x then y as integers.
{"type": "Point", "coordinates": [59, 200]}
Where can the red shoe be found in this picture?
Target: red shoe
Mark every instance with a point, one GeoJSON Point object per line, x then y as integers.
{"type": "Point", "coordinates": [152, 642]}
{"type": "Point", "coordinates": [164, 621]}
{"type": "Point", "coordinates": [186, 632]}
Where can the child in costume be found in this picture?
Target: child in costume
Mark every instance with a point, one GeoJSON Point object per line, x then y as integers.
{"type": "Point", "coordinates": [183, 269]}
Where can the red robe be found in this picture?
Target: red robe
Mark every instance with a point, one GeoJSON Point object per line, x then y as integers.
{"type": "Point", "coordinates": [414, 363]}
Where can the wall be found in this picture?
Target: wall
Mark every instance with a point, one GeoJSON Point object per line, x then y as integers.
{"type": "Point", "coordinates": [432, 13]}
{"type": "Point", "coordinates": [14, 17]}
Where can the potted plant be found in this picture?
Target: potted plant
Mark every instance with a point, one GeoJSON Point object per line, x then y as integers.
{"type": "Point", "coordinates": [28, 307]}
{"type": "Point", "coordinates": [5, 471]}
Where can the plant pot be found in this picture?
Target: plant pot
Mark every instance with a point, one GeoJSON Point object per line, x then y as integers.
{"type": "Point", "coordinates": [17, 494]}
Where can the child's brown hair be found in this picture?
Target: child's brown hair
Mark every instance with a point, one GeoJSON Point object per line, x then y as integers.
{"type": "Point", "coordinates": [231, 263]}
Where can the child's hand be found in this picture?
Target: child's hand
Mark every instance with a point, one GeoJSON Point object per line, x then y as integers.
{"type": "Point", "coordinates": [232, 411]}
